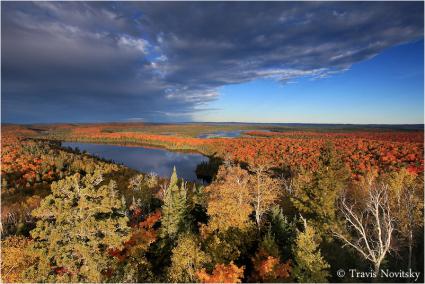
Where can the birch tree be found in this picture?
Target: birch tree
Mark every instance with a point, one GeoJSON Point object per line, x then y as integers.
{"type": "Point", "coordinates": [370, 227]}
{"type": "Point", "coordinates": [265, 191]}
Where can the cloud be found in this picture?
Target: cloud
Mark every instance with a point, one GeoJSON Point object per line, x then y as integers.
{"type": "Point", "coordinates": [162, 61]}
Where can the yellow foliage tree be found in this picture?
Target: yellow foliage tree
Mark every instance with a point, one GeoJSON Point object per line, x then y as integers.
{"type": "Point", "coordinates": [264, 191]}
{"type": "Point", "coordinates": [310, 266]}
{"type": "Point", "coordinates": [187, 258]}
{"type": "Point", "coordinates": [229, 200]}
{"type": "Point", "coordinates": [15, 258]}
{"type": "Point", "coordinates": [407, 202]}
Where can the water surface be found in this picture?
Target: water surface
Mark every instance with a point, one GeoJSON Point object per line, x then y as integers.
{"type": "Point", "coordinates": [226, 134]}
{"type": "Point", "coordinates": [159, 161]}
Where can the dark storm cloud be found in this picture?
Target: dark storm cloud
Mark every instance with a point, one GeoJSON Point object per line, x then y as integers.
{"type": "Point", "coordinates": [99, 61]}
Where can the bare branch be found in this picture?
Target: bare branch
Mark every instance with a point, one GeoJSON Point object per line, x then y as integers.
{"type": "Point", "coordinates": [371, 227]}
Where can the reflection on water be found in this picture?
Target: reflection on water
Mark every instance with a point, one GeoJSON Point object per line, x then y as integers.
{"type": "Point", "coordinates": [159, 161]}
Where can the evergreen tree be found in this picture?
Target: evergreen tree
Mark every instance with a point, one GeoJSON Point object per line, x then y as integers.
{"type": "Point", "coordinates": [80, 222]}
{"type": "Point", "coordinates": [309, 263]}
{"type": "Point", "coordinates": [282, 229]}
{"type": "Point", "coordinates": [174, 209]}
{"type": "Point", "coordinates": [268, 244]}
{"type": "Point", "coordinates": [315, 194]}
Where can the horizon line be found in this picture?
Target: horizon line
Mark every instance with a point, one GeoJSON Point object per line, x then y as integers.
{"type": "Point", "coordinates": [218, 122]}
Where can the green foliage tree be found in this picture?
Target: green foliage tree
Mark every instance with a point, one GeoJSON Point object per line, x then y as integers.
{"type": "Point", "coordinates": [174, 209]}
{"type": "Point", "coordinates": [269, 245]}
{"type": "Point", "coordinates": [282, 229]}
{"type": "Point", "coordinates": [315, 194]}
{"type": "Point", "coordinates": [187, 258]}
{"type": "Point", "coordinates": [197, 196]}
{"type": "Point", "coordinates": [309, 263]}
{"type": "Point", "coordinates": [79, 223]}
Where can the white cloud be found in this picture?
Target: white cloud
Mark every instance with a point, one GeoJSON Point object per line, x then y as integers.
{"type": "Point", "coordinates": [139, 44]}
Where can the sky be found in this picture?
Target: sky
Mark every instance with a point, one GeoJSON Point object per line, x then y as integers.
{"type": "Point", "coordinates": [307, 62]}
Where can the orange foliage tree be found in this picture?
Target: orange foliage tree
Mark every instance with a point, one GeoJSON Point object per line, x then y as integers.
{"type": "Point", "coordinates": [271, 269]}
{"type": "Point", "coordinates": [222, 274]}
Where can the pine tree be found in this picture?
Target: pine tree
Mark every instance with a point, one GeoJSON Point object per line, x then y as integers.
{"type": "Point", "coordinates": [309, 263]}
{"type": "Point", "coordinates": [174, 209]}
{"type": "Point", "coordinates": [79, 223]}
{"type": "Point", "coordinates": [282, 229]}
{"type": "Point", "coordinates": [315, 194]}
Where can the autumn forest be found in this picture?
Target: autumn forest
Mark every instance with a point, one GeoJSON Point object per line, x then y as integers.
{"type": "Point", "coordinates": [280, 205]}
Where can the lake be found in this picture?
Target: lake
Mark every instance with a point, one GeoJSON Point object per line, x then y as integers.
{"type": "Point", "coordinates": [227, 134]}
{"type": "Point", "coordinates": [159, 161]}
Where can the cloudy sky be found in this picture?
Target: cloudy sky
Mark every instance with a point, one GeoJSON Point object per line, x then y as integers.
{"type": "Point", "coordinates": [336, 62]}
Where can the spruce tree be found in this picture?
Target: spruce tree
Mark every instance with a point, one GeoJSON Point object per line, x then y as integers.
{"type": "Point", "coordinates": [310, 266]}
{"type": "Point", "coordinates": [282, 229]}
{"type": "Point", "coordinates": [174, 209]}
{"type": "Point", "coordinates": [315, 194]}
{"type": "Point", "coordinates": [80, 222]}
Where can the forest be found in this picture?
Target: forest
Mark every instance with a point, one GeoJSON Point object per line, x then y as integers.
{"type": "Point", "coordinates": [282, 204]}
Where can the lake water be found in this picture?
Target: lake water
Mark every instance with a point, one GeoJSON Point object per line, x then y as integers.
{"type": "Point", "coordinates": [159, 161]}
{"type": "Point", "coordinates": [228, 134]}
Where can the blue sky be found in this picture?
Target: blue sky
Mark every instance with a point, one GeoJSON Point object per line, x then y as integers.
{"type": "Point", "coordinates": [387, 89]}
{"type": "Point", "coordinates": [312, 62]}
